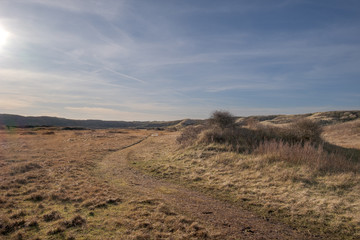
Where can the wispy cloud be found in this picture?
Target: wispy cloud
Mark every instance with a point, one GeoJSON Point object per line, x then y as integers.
{"type": "Point", "coordinates": [178, 58]}
{"type": "Point", "coordinates": [107, 8]}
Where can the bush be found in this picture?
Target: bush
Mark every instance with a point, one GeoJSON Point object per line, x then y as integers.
{"type": "Point", "coordinates": [222, 119]}
{"type": "Point", "coordinates": [238, 139]}
{"type": "Point", "coordinates": [189, 135]}
{"type": "Point", "coordinates": [305, 130]}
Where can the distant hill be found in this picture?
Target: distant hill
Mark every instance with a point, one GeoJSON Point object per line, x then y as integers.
{"type": "Point", "coordinates": [27, 122]}
{"type": "Point", "coordinates": [324, 118]}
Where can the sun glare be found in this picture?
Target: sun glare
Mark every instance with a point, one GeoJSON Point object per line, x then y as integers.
{"type": "Point", "coordinates": [3, 36]}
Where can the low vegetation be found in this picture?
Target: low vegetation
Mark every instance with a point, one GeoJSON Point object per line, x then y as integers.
{"type": "Point", "coordinates": [300, 170]}
{"type": "Point", "coordinates": [287, 172]}
{"type": "Point", "coordinates": [50, 188]}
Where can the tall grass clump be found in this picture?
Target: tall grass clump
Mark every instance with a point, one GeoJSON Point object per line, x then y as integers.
{"type": "Point", "coordinates": [308, 154]}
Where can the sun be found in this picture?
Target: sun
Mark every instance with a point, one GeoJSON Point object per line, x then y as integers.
{"type": "Point", "coordinates": [3, 36]}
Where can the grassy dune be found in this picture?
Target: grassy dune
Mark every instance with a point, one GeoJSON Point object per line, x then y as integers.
{"type": "Point", "coordinates": [278, 181]}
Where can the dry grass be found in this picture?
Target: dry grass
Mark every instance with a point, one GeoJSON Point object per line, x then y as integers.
{"type": "Point", "coordinates": [306, 153]}
{"type": "Point", "coordinates": [344, 134]}
{"type": "Point", "coordinates": [295, 182]}
{"type": "Point", "coordinates": [50, 189]}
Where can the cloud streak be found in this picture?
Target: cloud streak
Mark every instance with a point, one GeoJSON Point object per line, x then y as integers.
{"type": "Point", "coordinates": [178, 58]}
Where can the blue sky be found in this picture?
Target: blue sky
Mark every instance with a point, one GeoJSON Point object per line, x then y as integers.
{"type": "Point", "coordinates": [175, 59]}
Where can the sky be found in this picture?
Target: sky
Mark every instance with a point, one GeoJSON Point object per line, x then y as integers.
{"type": "Point", "coordinates": [176, 59]}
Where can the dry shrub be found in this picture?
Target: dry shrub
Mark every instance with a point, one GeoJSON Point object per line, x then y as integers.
{"type": "Point", "coordinates": [189, 135]}
{"type": "Point", "coordinates": [222, 119]}
{"type": "Point", "coordinates": [238, 139]}
{"type": "Point", "coordinates": [315, 157]}
{"type": "Point", "coordinates": [305, 130]}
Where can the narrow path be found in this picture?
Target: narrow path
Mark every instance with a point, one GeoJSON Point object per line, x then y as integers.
{"type": "Point", "coordinates": [227, 220]}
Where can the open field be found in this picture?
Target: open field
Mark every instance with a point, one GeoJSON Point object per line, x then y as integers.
{"type": "Point", "coordinates": [78, 185]}
{"type": "Point", "coordinates": [141, 184]}
{"type": "Point", "coordinates": [51, 189]}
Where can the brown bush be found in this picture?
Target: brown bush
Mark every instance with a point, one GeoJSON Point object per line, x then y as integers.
{"type": "Point", "coordinates": [305, 130]}
{"type": "Point", "coordinates": [222, 119]}
{"type": "Point", "coordinates": [238, 139]}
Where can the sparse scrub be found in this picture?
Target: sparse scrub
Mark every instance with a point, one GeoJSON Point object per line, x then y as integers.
{"type": "Point", "coordinates": [298, 143]}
